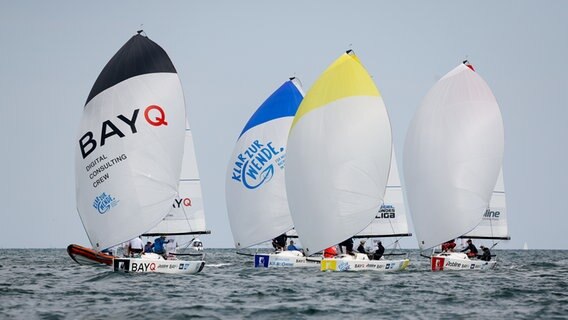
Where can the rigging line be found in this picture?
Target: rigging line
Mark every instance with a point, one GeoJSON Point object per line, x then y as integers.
{"type": "Point", "coordinates": [424, 256]}
{"type": "Point", "coordinates": [491, 224]}
{"type": "Point", "coordinates": [186, 217]}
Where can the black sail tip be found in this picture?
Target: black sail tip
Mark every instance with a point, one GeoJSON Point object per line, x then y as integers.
{"type": "Point", "coordinates": [138, 56]}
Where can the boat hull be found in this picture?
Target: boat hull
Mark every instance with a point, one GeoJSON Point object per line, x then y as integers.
{"type": "Point", "coordinates": [86, 256]}
{"type": "Point", "coordinates": [143, 265]}
{"type": "Point", "coordinates": [272, 260]}
{"type": "Point", "coordinates": [456, 261]}
{"type": "Point", "coordinates": [342, 264]}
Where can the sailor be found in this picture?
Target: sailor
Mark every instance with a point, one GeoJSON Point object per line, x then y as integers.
{"type": "Point", "coordinates": [148, 247]}
{"type": "Point", "coordinates": [135, 246]}
{"type": "Point", "coordinates": [279, 243]}
{"type": "Point", "coordinates": [449, 246]}
{"type": "Point", "coordinates": [471, 249]}
{"type": "Point", "coordinates": [379, 252]}
{"type": "Point", "coordinates": [292, 246]}
{"type": "Point", "coordinates": [348, 244]}
{"type": "Point", "coordinates": [159, 245]}
{"type": "Point", "coordinates": [330, 252]}
{"type": "Point", "coordinates": [361, 247]}
{"type": "Point", "coordinates": [486, 256]}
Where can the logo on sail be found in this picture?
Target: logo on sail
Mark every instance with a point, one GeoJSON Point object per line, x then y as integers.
{"type": "Point", "coordinates": [104, 202]}
{"type": "Point", "coordinates": [154, 115]}
{"type": "Point", "coordinates": [255, 166]}
{"type": "Point", "coordinates": [387, 211]}
{"type": "Point", "coordinates": [491, 214]}
{"type": "Point", "coordinates": [179, 202]}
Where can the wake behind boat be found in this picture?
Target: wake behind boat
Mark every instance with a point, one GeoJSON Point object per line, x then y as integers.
{"type": "Point", "coordinates": [453, 156]}
{"type": "Point", "coordinates": [129, 155]}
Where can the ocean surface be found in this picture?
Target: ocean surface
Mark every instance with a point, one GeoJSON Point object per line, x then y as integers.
{"type": "Point", "coordinates": [47, 284]}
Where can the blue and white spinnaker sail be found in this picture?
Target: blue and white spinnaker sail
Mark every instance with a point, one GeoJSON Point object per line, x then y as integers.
{"type": "Point", "coordinates": [255, 189]}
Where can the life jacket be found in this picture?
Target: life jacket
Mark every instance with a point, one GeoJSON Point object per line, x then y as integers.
{"type": "Point", "coordinates": [330, 252]}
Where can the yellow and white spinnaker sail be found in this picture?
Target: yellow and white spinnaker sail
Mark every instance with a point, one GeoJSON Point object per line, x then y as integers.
{"type": "Point", "coordinates": [339, 153]}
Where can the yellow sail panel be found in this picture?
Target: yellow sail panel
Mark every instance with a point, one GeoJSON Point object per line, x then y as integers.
{"type": "Point", "coordinates": [346, 77]}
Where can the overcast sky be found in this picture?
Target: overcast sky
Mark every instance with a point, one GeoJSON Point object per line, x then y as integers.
{"type": "Point", "coordinates": [230, 55]}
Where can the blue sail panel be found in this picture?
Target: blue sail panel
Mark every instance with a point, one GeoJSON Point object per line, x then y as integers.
{"type": "Point", "coordinates": [283, 102]}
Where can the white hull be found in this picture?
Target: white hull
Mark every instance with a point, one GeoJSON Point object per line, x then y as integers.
{"type": "Point", "coordinates": [360, 262]}
{"type": "Point", "coordinates": [284, 259]}
{"type": "Point", "coordinates": [459, 261]}
{"type": "Point", "coordinates": [152, 263]}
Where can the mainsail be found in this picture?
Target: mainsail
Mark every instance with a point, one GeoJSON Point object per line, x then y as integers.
{"type": "Point", "coordinates": [187, 215]}
{"type": "Point", "coordinates": [255, 190]}
{"type": "Point", "coordinates": [130, 145]}
{"type": "Point", "coordinates": [452, 157]}
{"type": "Point", "coordinates": [391, 218]}
{"type": "Point", "coordinates": [494, 223]}
{"type": "Point", "coordinates": [339, 152]}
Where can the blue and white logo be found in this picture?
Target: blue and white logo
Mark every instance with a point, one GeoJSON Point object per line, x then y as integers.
{"type": "Point", "coordinates": [104, 202]}
{"type": "Point", "coordinates": [261, 261]}
{"type": "Point", "coordinates": [343, 266]}
{"type": "Point", "coordinates": [255, 166]}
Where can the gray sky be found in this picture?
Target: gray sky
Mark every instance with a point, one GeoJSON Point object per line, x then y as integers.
{"type": "Point", "coordinates": [230, 55]}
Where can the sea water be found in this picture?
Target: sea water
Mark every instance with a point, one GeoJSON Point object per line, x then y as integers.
{"type": "Point", "coordinates": [47, 284]}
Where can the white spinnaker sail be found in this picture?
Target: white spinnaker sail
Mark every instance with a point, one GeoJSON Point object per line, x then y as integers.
{"type": "Point", "coordinates": [494, 223]}
{"type": "Point", "coordinates": [255, 188]}
{"type": "Point", "coordinates": [391, 218]}
{"type": "Point", "coordinates": [130, 144]}
{"type": "Point", "coordinates": [452, 156]}
{"type": "Point", "coordinates": [187, 215]}
{"type": "Point", "coordinates": [339, 152]}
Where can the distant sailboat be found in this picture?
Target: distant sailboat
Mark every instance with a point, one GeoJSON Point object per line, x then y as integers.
{"type": "Point", "coordinates": [129, 155]}
{"type": "Point", "coordinates": [255, 188]}
{"type": "Point", "coordinates": [525, 246]}
{"type": "Point", "coordinates": [339, 153]}
{"type": "Point", "coordinates": [452, 158]}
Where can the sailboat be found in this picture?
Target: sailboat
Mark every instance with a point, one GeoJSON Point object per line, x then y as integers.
{"type": "Point", "coordinates": [255, 188]}
{"type": "Point", "coordinates": [338, 160]}
{"type": "Point", "coordinates": [452, 158]}
{"type": "Point", "coordinates": [187, 216]}
{"type": "Point", "coordinates": [129, 155]}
